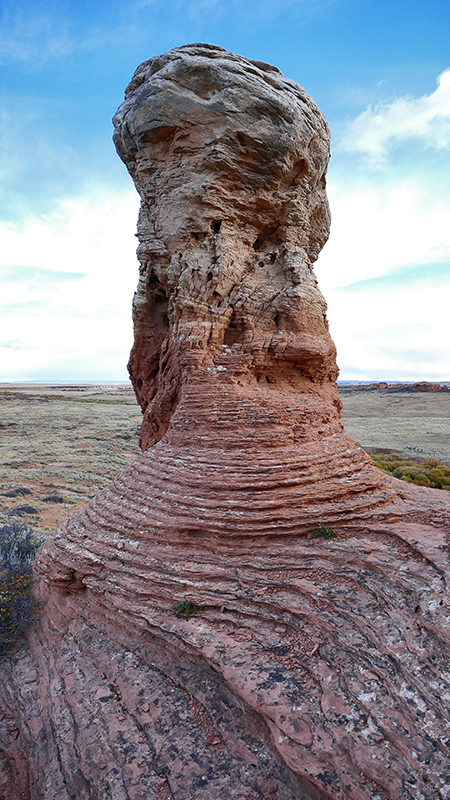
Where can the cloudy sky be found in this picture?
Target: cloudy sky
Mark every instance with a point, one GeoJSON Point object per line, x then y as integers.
{"type": "Point", "coordinates": [380, 72]}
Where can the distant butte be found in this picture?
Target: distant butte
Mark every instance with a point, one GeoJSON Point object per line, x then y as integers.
{"type": "Point", "coordinates": [315, 665]}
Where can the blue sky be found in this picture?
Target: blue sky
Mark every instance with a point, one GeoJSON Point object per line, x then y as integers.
{"type": "Point", "coordinates": [380, 72]}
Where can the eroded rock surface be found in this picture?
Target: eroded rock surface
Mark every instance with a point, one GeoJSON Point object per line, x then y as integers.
{"type": "Point", "coordinates": [316, 667]}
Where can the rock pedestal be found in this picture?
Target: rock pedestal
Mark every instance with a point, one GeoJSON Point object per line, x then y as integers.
{"type": "Point", "coordinates": [251, 610]}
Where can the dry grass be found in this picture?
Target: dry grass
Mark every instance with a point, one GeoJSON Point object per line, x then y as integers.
{"type": "Point", "coordinates": [415, 425]}
{"type": "Point", "coordinates": [59, 447]}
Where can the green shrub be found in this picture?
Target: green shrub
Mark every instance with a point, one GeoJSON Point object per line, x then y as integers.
{"type": "Point", "coordinates": [186, 608]}
{"type": "Point", "coordinates": [17, 604]}
{"type": "Point", "coordinates": [322, 531]}
{"type": "Point", "coordinates": [424, 473]}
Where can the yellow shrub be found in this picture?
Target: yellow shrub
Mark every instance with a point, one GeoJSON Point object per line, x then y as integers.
{"type": "Point", "coordinates": [430, 473]}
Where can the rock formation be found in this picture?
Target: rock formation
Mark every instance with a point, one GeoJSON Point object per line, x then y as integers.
{"type": "Point", "coordinates": [204, 635]}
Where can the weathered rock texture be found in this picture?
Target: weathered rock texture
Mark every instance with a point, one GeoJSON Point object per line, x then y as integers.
{"type": "Point", "coordinates": [316, 668]}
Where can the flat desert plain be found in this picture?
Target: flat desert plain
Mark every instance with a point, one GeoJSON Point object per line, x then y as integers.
{"type": "Point", "coordinates": [60, 445]}
{"type": "Point", "coordinates": [414, 424]}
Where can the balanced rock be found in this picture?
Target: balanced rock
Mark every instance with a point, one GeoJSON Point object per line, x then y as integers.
{"type": "Point", "coordinates": [251, 610]}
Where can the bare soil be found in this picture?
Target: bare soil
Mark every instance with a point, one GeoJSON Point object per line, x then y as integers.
{"type": "Point", "coordinates": [60, 445]}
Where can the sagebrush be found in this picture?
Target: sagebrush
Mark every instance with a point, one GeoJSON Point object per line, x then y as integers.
{"type": "Point", "coordinates": [429, 473]}
{"type": "Point", "coordinates": [17, 604]}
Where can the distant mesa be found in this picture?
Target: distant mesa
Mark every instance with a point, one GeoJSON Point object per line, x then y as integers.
{"type": "Point", "coordinates": [251, 609]}
{"type": "Point", "coordinates": [422, 386]}
{"type": "Point", "coordinates": [425, 386]}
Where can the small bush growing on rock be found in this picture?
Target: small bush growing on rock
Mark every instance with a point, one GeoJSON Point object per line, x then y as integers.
{"type": "Point", "coordinates": [186, 608]}
{"type": "Point", "coordinates": [17, 605]}
{"type": "Point", "coordinates": [322, 531]}
{"type": "Point", "coordinates": [424, 473]}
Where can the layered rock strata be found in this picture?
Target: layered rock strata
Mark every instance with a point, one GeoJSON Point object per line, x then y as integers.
{"type": "Point", "coordinates": [313, 667]}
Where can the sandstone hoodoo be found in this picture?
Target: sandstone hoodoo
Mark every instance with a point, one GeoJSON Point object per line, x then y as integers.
{"type": "Point", "coordinates": [251, 610]}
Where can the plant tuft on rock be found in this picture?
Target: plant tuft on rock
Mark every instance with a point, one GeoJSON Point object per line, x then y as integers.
{"type": "Point", "coordinates": [322, 531]}
{"type": "Point", "coordinates": [186, 608]}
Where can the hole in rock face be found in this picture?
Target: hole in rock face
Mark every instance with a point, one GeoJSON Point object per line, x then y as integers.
{"type": "Point", "coordinates": [273, 258]}
{"type": "Point", "coordinates": [267, 379]}
{"type": "Point", "coordinates": [215, 225]}
{"type": "Point", "coordinates": [206, 92]}
{"type": "Point", "coordinates": [198, 235]}
{"type": "Point", "coordinates": [161, 133]}
{"type": "Point", "coordinates": [259, 243]}
{"type": "Point", "coordinates": [199, 79]}
{"type": "Point", "coordinates": [152, 279]}
{"type": "Point", "coordinates": [276, 319]}
{"type": "Point", "coordinates": [209, 276]}
{"type": "Point", "coordinates": [300, 168]}
{"type": "Point", "coordinates": [234, 331]}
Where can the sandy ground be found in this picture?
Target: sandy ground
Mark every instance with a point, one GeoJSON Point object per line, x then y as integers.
{"type": "Point", "coordinates": [60, 445]}
{"type": "Point", "coordinates": [414, 424]}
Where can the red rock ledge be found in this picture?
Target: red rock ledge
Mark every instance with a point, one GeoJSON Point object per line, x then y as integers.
{"type": "Point", "coordinates": [316, 667]}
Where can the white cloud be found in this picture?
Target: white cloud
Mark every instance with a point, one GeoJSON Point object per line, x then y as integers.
{"type": "Point", "coordinates": [400, 331]}
{"type": "Point", "coordinates": [70, 302]}
{"type": "Point", "coordinates": [390, 242]}
{"type": "Point", "coordinates": [372, 236]}
{"type": "Point", "coordinates": [395, 326]}
{"type": "Point", "coordinates": [424, 119]}
{"type": "Point", "coordinates": [15, 344]}
{"type": "Point", "coordinates": [401, 335]}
